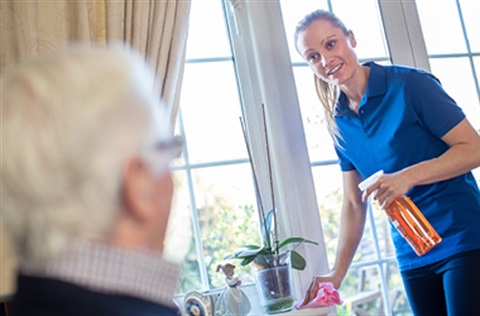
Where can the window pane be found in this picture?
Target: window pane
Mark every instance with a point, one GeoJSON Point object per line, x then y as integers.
{"type": "Point", "coordinates": [328, 184]}
{"type": "Point", "coordinates": [211, 110]}
{"type": "Point", "coordinates": [320, 144]}
{"type": "Point", "coordinates": [456, 76]}
{"type": "Point", "coordinates": [293, 12]}
{"type": "Point", "coordinates": [476, 63]}
{"type": "Point", "coordinates": [383, 230]}
{"type": "Point", "coordinates": [441, 26]}
{"type": "Point", "coordinates": [366, 249]}
{"type": "Point", "coordinates": [398, 299]}
{"type": "Point", "coordinates": [228, 217]}
{"type": "Point", "coordinates": [471, 16]}
{"type": "Point", "coordinates": [190, 276]}
{"type": "Point", "coordinates": [362, 295]}
{"type": "Point", "coordinates": [367, 26]}
{"type": "Point", "coordinates": [207, 34]}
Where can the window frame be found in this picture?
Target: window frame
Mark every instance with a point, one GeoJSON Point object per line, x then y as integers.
{"type": "Point", "coordinates": [257, 35]}
{"type": "Point", "coordinates": [265, 76]}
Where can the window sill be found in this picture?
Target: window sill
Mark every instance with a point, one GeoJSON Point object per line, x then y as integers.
{"type": "Point", "coordinates": [320, 311]}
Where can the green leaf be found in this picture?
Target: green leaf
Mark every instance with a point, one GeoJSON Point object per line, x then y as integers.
{"type": "Point", "coordinates": [249, 247]}
{"type": "Point", "coordinates": [297, 240]}
{"type": "Point", "coordinates": [247, 260]}
{"type": "Point", "coordinates": [298, 262]}
{"type": "Point", "coordinates": [261, 261]}
{"type": "Point", "coordinates": [245, 251]}
{"type": "Point", "coordinates": [267, 229]}
{"type": "Point", "coordinates": [270, 220]}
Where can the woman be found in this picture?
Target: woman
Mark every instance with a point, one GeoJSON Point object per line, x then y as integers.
{"type": "Point", "coordinates": [400, 120]}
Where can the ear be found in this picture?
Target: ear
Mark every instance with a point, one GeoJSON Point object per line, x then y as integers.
{"type": "Point", "coordinates": [351, 37]}
{"type": "Point", "coordinates": [136, 182]}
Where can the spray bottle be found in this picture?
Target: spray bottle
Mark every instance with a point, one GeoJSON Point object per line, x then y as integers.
{"type": "Point", "coordinates": [408, 220]}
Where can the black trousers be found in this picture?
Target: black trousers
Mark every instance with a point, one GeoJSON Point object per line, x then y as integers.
{"type": "Point", "coordinates": [449, 287]}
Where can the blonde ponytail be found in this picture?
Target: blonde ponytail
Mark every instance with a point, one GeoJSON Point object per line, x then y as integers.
{"type": "Point", "coordinates": [328, 95]}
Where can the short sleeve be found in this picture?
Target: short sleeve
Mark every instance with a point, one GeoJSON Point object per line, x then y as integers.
{"type": "Point", "coordinates": [344, 162]}
{"type": "Point", "coordinates": [437, 111]}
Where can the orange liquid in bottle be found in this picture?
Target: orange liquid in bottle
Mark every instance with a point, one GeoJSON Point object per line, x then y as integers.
{"type": "Point", "coordinates": [412, 225]}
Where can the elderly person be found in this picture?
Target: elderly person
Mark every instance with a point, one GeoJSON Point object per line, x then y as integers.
{"type": "Point", "coordinates": [86, 185]}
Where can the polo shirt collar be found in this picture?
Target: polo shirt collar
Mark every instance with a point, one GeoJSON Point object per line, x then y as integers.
{"type": "Point", "coordinates": [376, 86]}
{"type": "Point", "coordinates": [377, 83]}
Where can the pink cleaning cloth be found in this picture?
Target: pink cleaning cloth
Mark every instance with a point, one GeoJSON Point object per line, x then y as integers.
{"type": "Point", "coordinates": [326, 296]}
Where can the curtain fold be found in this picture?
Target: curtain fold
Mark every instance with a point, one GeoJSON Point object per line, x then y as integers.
{"type": "Point", "coordinates": [156, 29]}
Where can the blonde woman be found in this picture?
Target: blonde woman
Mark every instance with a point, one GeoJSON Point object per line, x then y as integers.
{"type": "Point", "coordinates": [86, 186]}
{"type": "Point", "coordinates": [400, 120]}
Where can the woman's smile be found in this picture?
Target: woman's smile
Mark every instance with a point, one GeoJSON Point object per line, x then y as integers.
{"type": "Point", "coordinates": [334, 70]}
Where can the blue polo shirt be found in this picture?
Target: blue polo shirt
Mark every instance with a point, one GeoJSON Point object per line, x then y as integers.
{"type": "Point", "coordinates": [400, 122]}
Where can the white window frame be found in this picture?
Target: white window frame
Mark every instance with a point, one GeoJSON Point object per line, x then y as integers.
{"type": "Point", "coordinates": [266, 77]}
{"type": "Point", "coordinates": [404, 34]}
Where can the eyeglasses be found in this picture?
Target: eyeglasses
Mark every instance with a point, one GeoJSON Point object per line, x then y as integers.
{"type": "Point", "coordinates": [161, 153]}
{"type": "Point", "coordinates": [172, 146]}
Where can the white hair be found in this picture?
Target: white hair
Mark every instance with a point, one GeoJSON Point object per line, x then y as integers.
{"type": "Point", "coordinates": [70, 121]}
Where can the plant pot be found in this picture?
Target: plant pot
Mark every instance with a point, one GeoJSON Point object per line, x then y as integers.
{"type": "Point", "coordinates": [274, 284]}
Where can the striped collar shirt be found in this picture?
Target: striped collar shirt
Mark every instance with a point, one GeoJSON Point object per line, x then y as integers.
{"type": "Point", "coordinates": [109, 269]}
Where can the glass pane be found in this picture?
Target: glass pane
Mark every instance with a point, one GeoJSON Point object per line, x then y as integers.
{"type": "Point", "coordinates": [398, 300]}
{"type": "Point", "coordinates": [383, 230]}
{"type": "Point", "coordinates": [367, 26]}
{"type": "Point", "coordinates": [207, 34]}
{"type": "Point", "coordinates": [227, 212]}
{"type": "Point", "coordinates": [366, 249]}
{"type": "Point", "coordinates": [182, 220]}
{"type": "Point", "coordinates": [476, 174]}
{"type": "Point", "coordinates": [441, 26]}
{"type": "Point", "coordinates": [293, 12]}
{"type": "Point", "coordinates": [449, 71]}
{"type": "Point", "coordinates": [211, 110]}
{"type": "Point", "coordinates": [476, 64]}
{"type": "Point", "coordinates": [471, 16]}
{"type": "Point", "coordinates": [319, 142]}
{"type": "Point", "coordinates": [361, 292]}
{"type": "Point", "coordinates": [328, 181]}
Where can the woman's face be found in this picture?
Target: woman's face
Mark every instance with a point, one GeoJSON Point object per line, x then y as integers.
{"type": "Point", "coordinates": [329, 52]}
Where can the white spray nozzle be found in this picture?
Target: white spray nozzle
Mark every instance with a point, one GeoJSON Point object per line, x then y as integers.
{"type": "Point", "coordinates": [370, 180]}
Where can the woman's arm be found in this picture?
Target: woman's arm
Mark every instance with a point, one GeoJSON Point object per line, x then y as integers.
{"type": "Point", "coordinates": [462, 156]}
{"type": "Point", "coordinates": [352, 223]}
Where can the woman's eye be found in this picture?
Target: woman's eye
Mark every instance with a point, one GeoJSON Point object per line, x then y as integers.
{"type": "Point", "coordinates": [330, 44]}
{"type": "Point", "coordinates": [312, 58]}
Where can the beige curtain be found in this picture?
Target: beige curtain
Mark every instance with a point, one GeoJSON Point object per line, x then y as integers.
{"type": "Point", "coordinates": [155, 28]}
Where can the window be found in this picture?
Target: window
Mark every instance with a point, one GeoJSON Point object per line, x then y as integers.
{"type": "Point", "coordinates": [454, 49]}
{"type": "Point", "coordinates": [240, 54]}
{"type": "Point", "coordinates": [214, 178]}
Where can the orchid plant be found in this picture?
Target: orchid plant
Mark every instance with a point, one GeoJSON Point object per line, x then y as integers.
{"type": "Point", "coordinates": [260, 255]}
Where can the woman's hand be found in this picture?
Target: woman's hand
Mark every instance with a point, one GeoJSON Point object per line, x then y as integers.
{"type": "Point", "coordinates": [387, 188]}
{"type": "Point", "coordinates": [316, 280]}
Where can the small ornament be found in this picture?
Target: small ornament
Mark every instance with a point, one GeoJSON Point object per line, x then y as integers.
{"type": "Point", "coordinates": [197, 304]}
{"type": "Point", "coordinates": [232, 301]}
